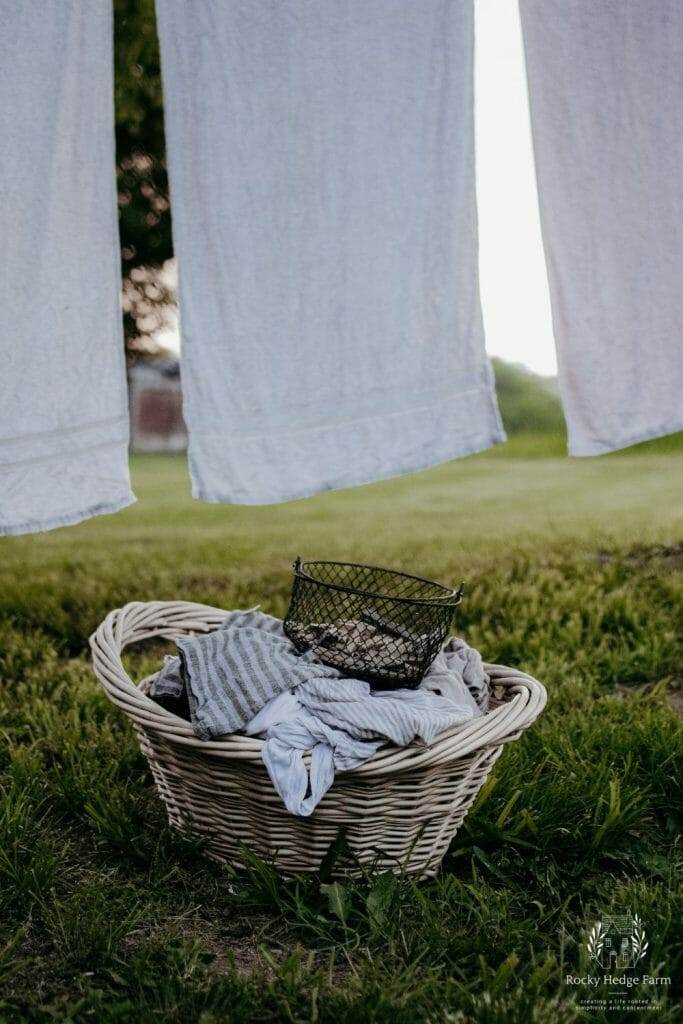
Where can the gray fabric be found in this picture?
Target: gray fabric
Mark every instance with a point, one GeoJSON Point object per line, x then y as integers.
{"type": "Point", "coordinates": [457, 663]}
{"type": "Point", "coordinates": [63, 400]}
{"type": "Point", "coordinates": [396, 715]}
{"type": "Point", "coordinates": [606, 95]}
{"type": "Point", "coordinates": [170, 681]}
{"type": "Point", "coordinates": [321, 162]}
{"type": "Point", "coordinates": [231, 673]}
{"type": "Point", "coordinates": [291, 730]}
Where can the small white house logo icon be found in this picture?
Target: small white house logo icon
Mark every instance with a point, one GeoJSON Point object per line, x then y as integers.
{"type": "Point", "coordinates": [617, 942]}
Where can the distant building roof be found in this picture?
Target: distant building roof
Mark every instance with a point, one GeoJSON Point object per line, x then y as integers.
{"type": "Point", "coordinates": [156, 406]}
{"type": "Point", "coordinates": [155, 369]}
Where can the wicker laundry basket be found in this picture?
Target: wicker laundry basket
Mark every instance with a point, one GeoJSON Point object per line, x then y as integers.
{"type": "Point", "coordinates": [399, 810]}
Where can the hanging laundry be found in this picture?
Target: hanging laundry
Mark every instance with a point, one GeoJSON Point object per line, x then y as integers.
{"type": "Point", "coordinates": [322, 174]}
{"type": "Point", "coordinates": [606, 95]}
{"type": "Point", "coordinates": [63, 401]}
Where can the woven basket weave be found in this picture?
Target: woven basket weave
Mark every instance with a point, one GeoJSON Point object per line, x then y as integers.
{"type": "Point", "coordinates": [399, 810]}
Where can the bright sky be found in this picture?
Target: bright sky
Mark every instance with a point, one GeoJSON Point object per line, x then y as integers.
{"type": "Point", "coordinates": [514, 289]}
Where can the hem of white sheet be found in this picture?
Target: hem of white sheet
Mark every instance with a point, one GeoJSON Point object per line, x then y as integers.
{"type": "Point", "coordinates": [586, 449]}
{"type": "Point", "coordinates": [47, 492]}
{"type": "Point", "coordinates": [482, 443]}
{"type": "Point", "coordinates": [49, 444]}
{"type": "Point", "coordinates": [69, 518]}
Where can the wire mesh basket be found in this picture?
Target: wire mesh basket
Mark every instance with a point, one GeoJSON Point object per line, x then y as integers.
{"type": "Point", "coordinates": [370, 623]}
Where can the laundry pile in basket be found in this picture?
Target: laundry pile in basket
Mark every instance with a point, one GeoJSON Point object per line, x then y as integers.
{"type": "Point", "coordinates": [248, 676]}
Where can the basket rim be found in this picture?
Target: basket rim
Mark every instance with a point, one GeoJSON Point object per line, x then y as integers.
{"type": "Point", "coordinates": [525, 697]}
{"type": "Point", "coordinates": [451, 597]}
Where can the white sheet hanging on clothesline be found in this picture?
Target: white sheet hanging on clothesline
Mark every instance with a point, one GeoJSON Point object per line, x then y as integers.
{"type": "Point", "coordinates": [606, 93]}
{"type": "Point", "coordinates": [322, 175]}
{"type": "Point", "coordinates": [63, 404]}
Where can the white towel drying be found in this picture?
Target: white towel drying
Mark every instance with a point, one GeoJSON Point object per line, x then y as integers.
{"type": "Point", "coordinates": [321, 162]}
{"type": "Point", "coordinates": [606, 92]}
{"type": "Point", "coordinates": [63, 401]}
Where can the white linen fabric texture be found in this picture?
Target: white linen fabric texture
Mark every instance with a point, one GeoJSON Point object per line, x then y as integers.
{"type": "Point", "coordinates": [606, 95]}
{"type": "Point", "coordinates": [342, 723]}
{"type": "Point", "coordinates": [247, 675]}
{"type": "Point", "coordinates": [63, 400]}
{"type": "Point", "coordinates": [321, 163]}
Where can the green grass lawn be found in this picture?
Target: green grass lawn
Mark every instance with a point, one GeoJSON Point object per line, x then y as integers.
{"type": "Point", "coordinates": [573, 573]}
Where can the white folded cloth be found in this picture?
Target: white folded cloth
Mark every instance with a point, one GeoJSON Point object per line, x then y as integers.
{"type": "Point", "coordinates": [63, 400]}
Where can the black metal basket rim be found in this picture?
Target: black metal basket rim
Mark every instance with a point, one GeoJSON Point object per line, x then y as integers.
{"type": "Point", "coordinates": [450, 595]}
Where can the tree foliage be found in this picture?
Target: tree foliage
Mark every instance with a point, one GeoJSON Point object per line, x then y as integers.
{"type": "Point", "coordinates": [528, 403]}
{"type": "Point", "coordinates": [144, 208]}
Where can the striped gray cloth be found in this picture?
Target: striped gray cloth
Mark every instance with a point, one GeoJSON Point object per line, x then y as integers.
{"type": "Point", "coordinates": [230, 674]}
{"type": "Point", "coordinates": [400, 716]}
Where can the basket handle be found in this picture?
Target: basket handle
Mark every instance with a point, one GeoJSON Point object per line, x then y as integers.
{"type": "Point", "coordinates": [141, 620]}
{"type": "Point", "coordinates": [525, 702]}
